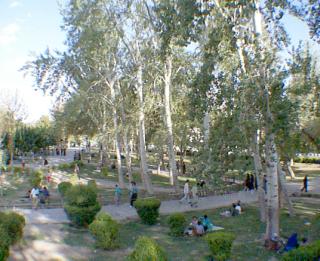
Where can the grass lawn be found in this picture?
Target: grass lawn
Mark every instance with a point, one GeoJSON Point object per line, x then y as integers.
{"type": "Point", "coordinates": [247, 228]}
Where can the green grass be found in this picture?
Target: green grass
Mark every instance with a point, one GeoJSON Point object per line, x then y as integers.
{"type": "Point", "coordinates": [247, 228]}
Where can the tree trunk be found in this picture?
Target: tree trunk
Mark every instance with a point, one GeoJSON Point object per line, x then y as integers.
{"type": "Point", "coordinates": [142, 148]}
{"type": "Point", "coordinates": [125, 138]}
{"type": "Point", "coordinates": [272, 188]}
{"type": "Point", "coordinates": [117, 135]}
{"type": "Point", "coordinates": [206, 129]}
{"type": "Point", "coordinates": [283, 189]}
{"type": "Point", "coordinates": [259, 176]}
{"type": "Point", "coordinates": [168, 120]}
{"type": "Point", "coordinates": [290, 170]}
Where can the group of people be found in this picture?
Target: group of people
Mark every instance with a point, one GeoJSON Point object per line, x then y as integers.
{"type": "Point", "coordinates": [191, 196]}
{"type": "Point", "coordinates": [250, 183]}
{"type": "Point", "coordinates": [133, 193]}
{"type": "Point", "coordinates": [235, 210]}
{"type": "Point", "coordinates": [39, 195]}
{"type": "Point", "coordinates": [200, 226]}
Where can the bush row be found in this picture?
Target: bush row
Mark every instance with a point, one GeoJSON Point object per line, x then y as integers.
{"type": "Point", "coordinates": [70, 166]}
{"type": "Point", "coordinates": [304, 253]}
{"type": "Point", "coordinates": [11, 231]}
{"type": "Point", "coordinates": [307, 160]}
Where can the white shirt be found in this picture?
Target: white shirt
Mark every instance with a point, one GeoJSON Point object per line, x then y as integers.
{"type": "Point", "coordinates": [239, 209]}
{"type": "Point", "coordinates": [34, 192]}
{"type": "Point", "coordinates": [186, 188]}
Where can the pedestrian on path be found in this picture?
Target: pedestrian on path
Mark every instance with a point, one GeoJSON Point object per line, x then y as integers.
{"type": "Point", "coordinates": [117, 195]}
{"type": "Point", "coordinates": [195, 198]}
{"type": "Point", "coordinates": [35, 197]}
{"type": "Point", "coordinates": [186, 192]}
{"type": "Point", "coordinates": [305, 184]}
{"type": "Point", "coordinates": [133, 193]}
{"type": "Point", "coordinates": [77, 170]}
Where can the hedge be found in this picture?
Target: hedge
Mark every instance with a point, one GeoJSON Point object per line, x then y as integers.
{"type": "Point", "coordinates": [4, 244]}
{"type": "Point", "coordinates": [106, 231]}
{"type": "Point", "coordinates": [35, 178]}
{"type": "Point", "coordinates": [304, 253]}
{"type": "Point", "coordinates": [81, 204]}
{"type": "Point", "coordinates": [177, 224]}
{"type": "Point", "coordinates": [307, 160]}
{"type": "Point", "coordinates": [63, 187]}
{"type": "Point", "coordinates": [220, 244]}
{"type": "Point", "coordinates": [147, 249]}
{"type": "Point", "coordinates": [148, 209]}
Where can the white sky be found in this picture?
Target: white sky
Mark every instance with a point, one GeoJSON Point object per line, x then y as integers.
{"type": "Point", "coordinates": [33, 25]}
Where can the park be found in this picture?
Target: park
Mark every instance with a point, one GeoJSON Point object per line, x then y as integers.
{"type": "Point", "coordinates": [179, 130]}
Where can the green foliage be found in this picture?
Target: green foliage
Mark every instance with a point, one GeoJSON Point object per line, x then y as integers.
{"type": "Point", "coordinates": [106, 231]}
{"type": "Point", "coordinates": [4, 244]}
{"type": "Point", "coordinates": [92, 184]}
{"type": "Point", "coordinates": [35, 178]}
{"type": "Point", "coordinates": [304, 253]}
{"type": "Point", "coordinates": [220, 244]}
{"type": "Point", "coordinates": [80, 163]}
{"type": "Point", "coordinates": [81, 204]}
{"type": "Point", "coordinates": [307, 160]}
{"type": "Point", "coordinates": [70, 166]}
{"type": "Point", "coordinates": [105, 171]}
{"type": "Point", "coordinates": [148, 209]}
{"type": "Point", "coordinates": [63, 187]}
{"type": "Point", "coordinates": [13, 223]}
{"type": "Point", "coordinates": [177, 224]}
{"type": "Point", "coordinates": [64, 166]}
{"type": "Point", "coordinates": [147, 249]}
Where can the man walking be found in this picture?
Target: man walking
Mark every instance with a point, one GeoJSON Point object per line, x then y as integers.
{"type": "Point", "coordinates": [186, 192]}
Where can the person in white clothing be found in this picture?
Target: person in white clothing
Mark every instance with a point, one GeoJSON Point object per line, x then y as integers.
{"type": "Point", "coordinates": [35, 197]}
{"type": "Point", "coordinates": [186, 192]}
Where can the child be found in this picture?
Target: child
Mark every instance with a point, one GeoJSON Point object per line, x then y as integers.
{"type": "Point", "coordinates": [117, 195]}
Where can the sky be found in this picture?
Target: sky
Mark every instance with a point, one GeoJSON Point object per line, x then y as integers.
{"type": "Point", "coordinates": [30, 26]}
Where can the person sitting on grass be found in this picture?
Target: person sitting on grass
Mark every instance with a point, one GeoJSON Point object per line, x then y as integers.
{"type": "Point", "coordinates": [199, 229]}
{"type": "Point", "coordinates": [207, 224]}
{"type": "Point", "coordinates": [292, 242]}
{"type": "Point", "coordinates": [191, 229]}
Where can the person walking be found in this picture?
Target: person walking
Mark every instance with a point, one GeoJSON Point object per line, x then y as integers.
{"type": "Point", "coordinates": [195, 198]}
{"type": "Point", "coordinates": [133, 193]}
{"type": "Point", "coordinates": [305, 184]}
{"type": "Point", "coordinates": [77, 170]}
{"type": "Point", "coordinates": [117, 195]}
{"type": "Point", "coordinates": [186, 192]}
{"type": "Point", "coordinates": [35, 197]}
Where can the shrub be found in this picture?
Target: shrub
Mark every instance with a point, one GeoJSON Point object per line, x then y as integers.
{"type": "Point", "coordinates": [64, 166]}
{"type": "Point", "coordinates": [177, 223]}
{"type": "Point", "coordinates": [78, 162]}
{"type": "Point", "coordinates": [36, 178]}
{"type": "Point", "coordinates": [105, 171]}
{"type": "Point", "coordinates": [81, 204]}
{"type": "Point", "coordinates": [106, 231]}
{"type": "Point", "coordinates": [220, 244]}
{"type": "Point", "coordinates": [92, 184]}
{"type": "Point", "coordinates": [4, 244]}
{"type": "Point", "coordinates": [63, 187]}
{"type": "Point", "coordinates": [147, 249]}
{"type": "Point", "coordinates": [307, 160]}
{"type": "Point", "coordinates": [148, 209]}
{"type": "Point", "coordinates": [304, 253]}
{"type": "Point", "coordinates": [14, 224]}
{"type": "Point", "coordinates": [17, 170]}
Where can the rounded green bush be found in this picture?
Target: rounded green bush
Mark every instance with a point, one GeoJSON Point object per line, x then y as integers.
{"type": "Point", "coordinates": [106, 231]}
{"type": "Point", "coordinates": [92, 184]}
{"type": "Point", "coordinates": [148, 209]}
{"type": "Point", "coordinates": [4, 244]}
{"type": "Point", "coordinates": [63, 187]}
{"type": "Point", "coordinates": [36, 178]}
{"type": "Point", "coordinates": [81, 204]}
{"type": "Point", "coordinates": [177, 224]}
{"type": "Point", "coordinates": [220, 244]}
{"type": "Point", "coordinates": [304, 253]}
{"type": "Point", "coordinates": [14, 224]}
{"type": "Point", "coordinates": [105, 171]}
{"type": "Point", "coordinates": [147, 249]}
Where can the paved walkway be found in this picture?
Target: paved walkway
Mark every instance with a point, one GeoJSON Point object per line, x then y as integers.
{"type": "Point", "coordinates": [125, 212]}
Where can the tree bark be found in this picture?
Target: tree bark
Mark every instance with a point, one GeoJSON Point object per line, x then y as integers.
{"type": "Point", "coordinates": [283, 189]}
{"type": "Point", "coordinates": [168, 120]}
{"type": "Point", "coordinates": [290, 170]}
{"type": "Point", "coordinates": [142, 148]}
{"type": "Point", "coordinates": [117, 135]}
{"type": "Point", "coordinates": [206, 129]}
{"type": "Point", "coordinates": [259, 176]}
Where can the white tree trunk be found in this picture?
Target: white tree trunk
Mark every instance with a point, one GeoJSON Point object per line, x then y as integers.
{"type": "Point", "coordinates": [168, 120]}
{"type": "Point", "coordinates": [272, 187]}
{"type": "Point", "coordinates": [142, 148]}
{"type": "Point", "coordinates": [206, 129]}
{"type": "Point", "coordinates": [290, 170]}
{"type": "Point", "coordinates": [283, 189]}
{"type": "Point", "coordinates": [117, 135]}
{"type": "Point", "coordinates": [259, 175]}
{"type": "Point", "coordinates": [125, 138]}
